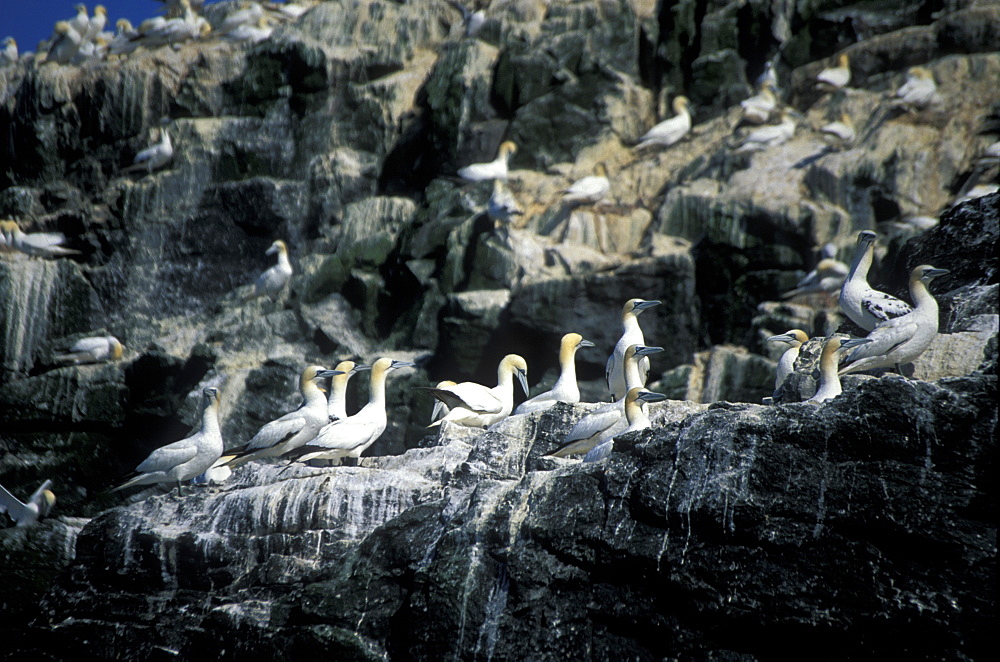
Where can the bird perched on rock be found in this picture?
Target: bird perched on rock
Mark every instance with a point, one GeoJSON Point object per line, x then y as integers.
{"type": "Point", "coordinates": [496, 169]}
{"type": "Point", "coordinates": [919, 91]}
{"type": "Point", "coordinates": [247, 14]}
{"type": "Point", "coordinates": [35, 244]}
{"type": "Point", "coordinates": [273, 281]}
{"type": "Point", "coordinates": [478, 406]}
{"type": "Point", "coordinates": [125, 40]}
{"type": "Point", "coordinates": [865, 306]}
{"type": "Point", "coordinates": [96, 24]}
{"type": "Point", "coordinates": [614, 371]}
{"type": "Point", "coordinates": [759, 108]}
{"type": "Point", "coordinates": [768, 136]}
{"type": "Point", "coordinates": [827, 278]}
{"type": "Point", "coordinates": [294, 429]}
{"type": "Point", "coordinates": [96, 349]}
{"type": "Point", "coordinates": [840, 132]}
{"type": "Point", "coordinates": [472, 20]}
{"type": "Point", "coordinates": [590, 189]}
{"type": "Point", "coordinates": [155, 157]}
{"type": "Point", "coordinates": [251, 34]}
{"type": "Point", "coordinates": [671, 130]}
{"type": "Point", "coordinates": [38, 505]}
{"type": "Point", "coordinates": [609, 419]}
{"type": "Point", "coordinates": [441, 409]}
{"type": "Point", "coordinates": [337, 403]}
{"type": "Point", "coordinates": [183, 460]}
{"type": "Point", "coordinates": [896, 342]}
{"type": "Point", "coordinates": [351, 436]}
{"type": "Point", "coordinates": [829, 382]}
{"type": "Point", "coordinates": [786, 364]}
{"type": "Point", "coordinates": [9, 53]}
{"type": "Point", "coordinates": [634, 416]}
{"type": "Point", "coordinates": [565, 389]}
{"type": "Point", "coordinates": [835, 78]}
{"type": "Point", "coordinates": [81, 21]}
{"type": "Point", "coordinates": [64, 45]}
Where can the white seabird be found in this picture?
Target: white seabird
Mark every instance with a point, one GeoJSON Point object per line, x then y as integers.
{"type": "Point", "coordinates": [81, 21]}
{"type": "Point", "coordinates": [96, 349]}
{"type": "Point", "coordinates": [64, 44]}
{"type": "Point", "coordinates": [472, 20]}
{"type": "Point", "coordinates": [865, 306]}
{"type": "Point", "coordinates": [607, 420]}
{"type": "Point", "coordinates": [183, 460]}
{"type": "Point", "coordinates": [9, 53]}
{"type": "Point", "coordinates": [589, 190]}
{"type": "Point", "coordinates": [351, 436]}
{"type": "Point", "coordinates": [496, 169]}
{"type": "Point", "coordinates": [759, 108]}
{"type": "Point", "coordinates": [834, 78]}
{"type": "Point", "coordinates": [827, 278]}
{"type": "Point", "coordinates": [634, 416]}
{"type": "Point", "coordinates": [669, 131]}
{"type": "Point", "coordinates": [125, 39]}
{"type": "Point", "coordinates": [337, 404]}
{"type": "Point", "coordinates": [276, 277]}
{"type": "Point", "coordinates": [919, 91]}
{"type": "Point", "coordinates": [96, 24]}
{"type": "Point", "coordinates": [252, 34]}
{"type": "Point", "coordinates": [441, 409]}
{"type": "Point", "coordinates": [899, 341]}
{"type": "Point", "coordinates": [840, 131]}
{"type": "Point", "coordinates": [565, 389]}
{"type": "Point", "coordinates": [37, 506]}
{"type": "Point", "coordinates": [248, 14]}
{"type": "Point", "coordinates": [768, 136]}
{"type": "Point", "coordinates": [786, 364]}
{"type": "Point", "coordinates": [35, 244]}
{"type": "Point", "coordinates": [155, 157]}
{"type": "Point", "coordinates": [829, 382]}
{"type": "Point", "coordinates": [294, 429]}
{"type": "Point", "coordinates": [502, 206]}
{"type": "Point", "coordinates": [478, 406]}
{"type": "Point", "coordinates": [614, 371]}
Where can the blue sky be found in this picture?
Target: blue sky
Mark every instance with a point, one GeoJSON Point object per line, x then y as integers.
{"type": "Point", "coordinates": [30, 21]}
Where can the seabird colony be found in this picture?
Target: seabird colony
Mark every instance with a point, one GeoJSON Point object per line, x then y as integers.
{"type": "Point", "coordinates": [321, 428]}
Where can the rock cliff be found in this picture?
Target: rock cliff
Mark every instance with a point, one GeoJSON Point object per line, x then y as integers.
{"type": "Point", "coordinates": [729, 531]}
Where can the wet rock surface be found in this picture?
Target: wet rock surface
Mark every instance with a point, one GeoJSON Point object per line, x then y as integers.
{"type": "Point", "coordinates": [730, 531]}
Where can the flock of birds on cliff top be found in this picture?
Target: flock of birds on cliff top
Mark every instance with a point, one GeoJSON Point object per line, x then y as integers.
{"type": "Point", "coordinates": [322, 430]}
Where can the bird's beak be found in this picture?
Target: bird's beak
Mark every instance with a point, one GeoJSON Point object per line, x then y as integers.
{"type": "Point", "coordinates": [522, 377]}
{"type": "Point", "coordinates": [402, 364]}
{"type": "Point", "coordinates": [649, 396]}
{"type": "Point", "coordinates": [643, 350]}
{"type": "Point", "coordinates": [360, 367]}
{"type": "Point", "coordinates": [784, 337]}
{"type": "Point", "coordinates": [934, 273]}
{"type": "Point", "coordinates": [329, 373]}
{"type": "Point", "coordinates": [586, 343]}
{"type": "Point", "coordinates": [643, 305]}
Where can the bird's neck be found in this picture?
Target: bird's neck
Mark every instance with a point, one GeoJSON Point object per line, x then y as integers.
{"type": "Point", "coordinates": [636, 416]}
{"type": "Point", "coordinates": [632, 377]}
{"type": "Point", "coordinates": [376, 398]}
{"type": "Point", "coordinates": [922, 297]}
{"type": "Point", "coordinates": [828, 368]}
{"type": "Point", "coordinates": [210, 418]}
{"type": "Point", "coordinates": [567, 367]}
{"type": "Point", "coordinates": [862, 262]}
{"type": "Point", "coordinates": [313, 396]}
{"type": "Point", "coordinates": [338, 394]}
{"type": "Point", "coordinates": [283, 260]}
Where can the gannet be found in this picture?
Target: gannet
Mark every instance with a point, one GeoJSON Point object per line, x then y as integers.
{"type": "Point", "coordinates": [288, 10]}
{"type": "Point", "coordinates": [478, 406]}
{"type": "Point", "coordinates": [440, 408]}
{"type": "Point", "coordinates": [634, 416]}
{"type": "Point", "coordinates": [96, 349]}
{"type": "Point", "coordinates": [155, 157]}
{"type": "Point", "coordinates": [669, 131]}
{"type": "Point", "coordinates": [565, 389]}
{"type": "Point", "coordinates": [842, 130]}
{"type": "Point", "coordinates": [828, 277]}
{"type": "Point", "coordinates": [175, 30]}
{"type": "Point", "coordinates": [96, 23]}
{"type": "Point", "coordinates": [291, 430]}
{"type": "Point", "coordinates": [350, 437]}
{"type": "Point", "coordinates": [607, 420]}
{"type": "Point", "coordinates": [337, 404]}
{"type": "Point", "coordinates": [80, 22]}
{"type": "Point", "coordinates": [253, 34]}
{"type": "Point", "coordinates": [865, 306]}
{"type": "Point", "coordinates": [899, 341]}
{"type": "Point", "coordinates": [125, 38]}
{"type": "Point", "coordinates": [38, 505]}
{"type": "Point", "coordinates": [919, 91]}
{"type": "Point", "coordinates": [90, 50]}
{"type": "Point", "coordinates": [834, 78]}
{"type": "Point", "coordinates": [786, 364]}
{"type": "Point", "coordinates": [35, 244]}
{"type": "Point", "coordinates": [758, 108]}
{"type": "Point", "coordinates": [829, 382]}
{"type": "Point", "coordinates": [496, 169]}
{"type": "Point", "coordinates": [473, 20]}
{"type": "Point", "coordinates": [64, 45]}
{"type": "Point", "coordinates": [9, 53]}
{"type": "Point", "coordinates": [249, 13]}
{"type": "Point", "coordinates": [589, 190]}
{"type": "Point", "coordinates": [276, 277]}
{"type": "Point", "coordinates": [768, 136]}
{"type": "Point", "coordinates": [183, 460]}
{"type": "Point", "coordinates": [502, 206]}
{"type": "Point", "coordinates": [614, 371]}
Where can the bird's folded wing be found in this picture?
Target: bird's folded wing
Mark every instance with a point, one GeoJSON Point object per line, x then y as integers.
{"type": "Point", "coordinates": [594, 423]}
{"type": "Point", "coordinates": [277, 431]}
{"type": "Point", "coordinates": [10, 504]}
{"type": "Point", "coordinates": [885, 307]}
{"type": "Point", "coordinates": [169, 456]}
